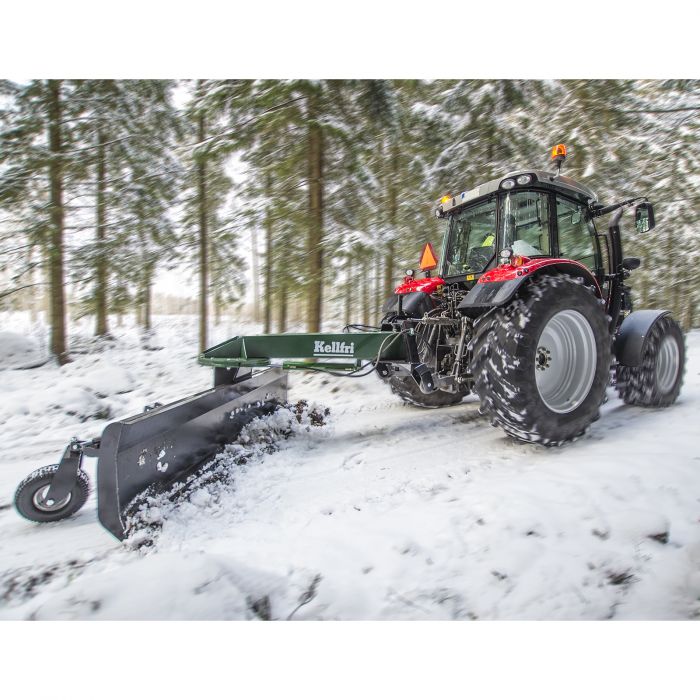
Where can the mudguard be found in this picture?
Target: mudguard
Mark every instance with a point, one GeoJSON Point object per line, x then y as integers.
{"type": "Point", "coordinates": [499, 285]}
{"type": "Point", "coordinates": [166, 443]}
{"type": "Point", "coordinates": [413, 304]}
{"type": "Point", "coordinates": [630, 339]}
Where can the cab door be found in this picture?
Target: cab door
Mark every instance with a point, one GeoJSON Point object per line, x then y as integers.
{"type": "Point", "coordinates": [576, 235]}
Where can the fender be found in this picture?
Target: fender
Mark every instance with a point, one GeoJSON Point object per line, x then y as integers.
{"type": "Point", "coordinates": [413, 304]}
{"type": "Point", "coordinates": [632, 336]}
{"type": "Point", "coordinates": [499, 285]}
{"type": "Point", "coordinates": [428, 285]}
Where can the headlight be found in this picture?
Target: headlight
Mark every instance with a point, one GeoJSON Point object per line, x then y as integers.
{"type": "Point", "coordinates": [410, 273]}
{"type": "Point", "coordinates": [508, 184]}
{"type": "Point", "coordinates": [504, 256]}
{"type": "Point", "coordinates": [524, 179]}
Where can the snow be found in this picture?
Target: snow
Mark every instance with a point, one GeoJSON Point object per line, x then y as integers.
{"type": "Point", "coordinates": [17, 350]}
{"type": "Point", "coordinates": [386, 512]}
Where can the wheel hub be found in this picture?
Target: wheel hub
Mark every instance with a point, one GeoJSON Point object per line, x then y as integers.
{"type": "Point", "coordinates": [565, 361]}
{"type": "Point", "coordinates": [667, 364]}
{"type": "Point", "coordinates": [48, 505]}
{"type": "Point", "coordinates": [544, 358]}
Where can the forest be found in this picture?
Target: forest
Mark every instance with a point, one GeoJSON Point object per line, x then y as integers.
{"type": "Point", "coordinates": [316, 194]}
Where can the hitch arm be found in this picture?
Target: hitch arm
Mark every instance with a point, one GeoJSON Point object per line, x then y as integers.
{"type": "Point", "coordinates": [420, 371]}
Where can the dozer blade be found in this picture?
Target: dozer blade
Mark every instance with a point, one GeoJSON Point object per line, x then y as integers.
{"type": "Point", "coordinates": [164, 444]}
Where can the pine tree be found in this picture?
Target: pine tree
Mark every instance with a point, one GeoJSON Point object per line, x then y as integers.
{"type": "Point", "coordinates": [212, 119]}
{"type": "Point", "coordinates": [128, 127]}
{"type": "Point", "coordinates": [37, 162]}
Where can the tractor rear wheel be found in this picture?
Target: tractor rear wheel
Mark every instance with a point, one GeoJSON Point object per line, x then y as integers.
{"type": "Point", "coordinates": [658, 380]}
{"type": "Point", "coordinates": [541, 363]}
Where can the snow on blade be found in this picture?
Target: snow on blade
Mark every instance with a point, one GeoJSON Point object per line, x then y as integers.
{"type": "Point", "coordinates": [204, 489]}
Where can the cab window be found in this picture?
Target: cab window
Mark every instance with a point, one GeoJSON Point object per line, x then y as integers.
{"type": "Point", "coordinates": [576, 234]}
{"type": "Point", "coordinates": [525, 223]}
{"type": "Point", "coordinates": [471, 244]}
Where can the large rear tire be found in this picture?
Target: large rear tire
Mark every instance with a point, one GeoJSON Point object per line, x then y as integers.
{"type": "Point", "coordinates": [658, 380]}
{"type": "Point", "coordinates": [541, 364]}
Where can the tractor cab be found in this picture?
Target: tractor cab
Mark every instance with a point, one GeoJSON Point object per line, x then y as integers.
{"type": "Point", "coordinates": [533, 214]}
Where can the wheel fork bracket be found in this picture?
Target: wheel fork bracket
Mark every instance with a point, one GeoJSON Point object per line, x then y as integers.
{"type": "Point", "coordinates": [66, 475]}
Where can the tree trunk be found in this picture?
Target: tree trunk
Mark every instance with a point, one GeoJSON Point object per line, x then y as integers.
{"type": "Point", "coordinates": [256, 275]}
{"type": "Point", "coordinates": [147, 295]}
{"type": "Point", "coordinates": [393, 211]}
{"type": "Point", "coordinates": [389, 270]}
{"type": "Point", "coordinates": [365, 295]}
{"type": "Point", "coordinates": [55, 249]}
{"type": "Point", "coordinates": [687, 318]}
{"type": "Point", "coordinates": [315, 212]}
{"type": "Point", "coordinates": [676, 301]}
{"type": "Point", "coordinates": [378, 300]}
{"type": "Point", "coordinates": [282, 318]}
{"type": "Point", "coordinates": [217, 308]}
{"type": "Point", "coordinates": [34, 297]}
{"type": "Point", "coordinates": [348, 293]}
{"type": "Point", "coordinates": [101, 324]}
{"type": "Point", "coordinates": [203, 238]}
{"type": "Point", "coordinates": [298, 305]}
{"type": "Point", "coordinates": [268, 260]}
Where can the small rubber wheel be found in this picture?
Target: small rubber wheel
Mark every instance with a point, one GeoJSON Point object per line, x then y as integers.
{"type": "Point", "coordinates": [31, 502]}
{"type": "Point", "coordinates": [658, 380]}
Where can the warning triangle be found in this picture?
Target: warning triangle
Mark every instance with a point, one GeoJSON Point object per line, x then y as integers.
{"type": "Point", "coordinates": [428, 259]}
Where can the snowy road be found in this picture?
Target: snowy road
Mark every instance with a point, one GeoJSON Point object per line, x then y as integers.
{"type": "Point", "coordinates": [388, 512]}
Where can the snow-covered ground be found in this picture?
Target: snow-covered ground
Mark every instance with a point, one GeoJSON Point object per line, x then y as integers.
{"type": "Point", "coordinates": [387, 512]}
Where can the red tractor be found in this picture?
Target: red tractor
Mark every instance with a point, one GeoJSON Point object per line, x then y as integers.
{"type": "Point", "coordinates": [531, 311]}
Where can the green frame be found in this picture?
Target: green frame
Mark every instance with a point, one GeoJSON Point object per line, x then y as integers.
{"type": "Point", "coordinates": [307, 350]}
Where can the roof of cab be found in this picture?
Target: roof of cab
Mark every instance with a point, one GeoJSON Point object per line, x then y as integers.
{"type": "Point", "coordinates": [541, 177]}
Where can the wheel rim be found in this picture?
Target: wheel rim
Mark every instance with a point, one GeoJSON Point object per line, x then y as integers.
{"type": "Point", "coordinates": [565, 361]}
{"type": "Point", "coordinates": [667, 363]}
{"type": "Point", "coordinates": [48, 506]}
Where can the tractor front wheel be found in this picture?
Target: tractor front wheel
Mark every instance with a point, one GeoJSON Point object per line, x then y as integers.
{"type": "Point", "coordinates": [657, 381]}
{"type": "Point", "coordinates": [541, 363]}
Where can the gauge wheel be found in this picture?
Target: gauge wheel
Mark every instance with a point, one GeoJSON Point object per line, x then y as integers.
{"type": "Point", "coordinates": [31, 499]}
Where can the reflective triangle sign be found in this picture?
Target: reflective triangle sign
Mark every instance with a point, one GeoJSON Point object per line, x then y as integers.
{"type": "Point", "coordinates": [428, 259]}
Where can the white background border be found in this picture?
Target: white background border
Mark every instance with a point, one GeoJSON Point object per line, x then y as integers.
{"type": "Point", "coordinates": [528, 39]}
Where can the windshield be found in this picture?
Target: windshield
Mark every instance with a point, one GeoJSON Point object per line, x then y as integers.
{"type": "Point", "coordinates": [471, 239]}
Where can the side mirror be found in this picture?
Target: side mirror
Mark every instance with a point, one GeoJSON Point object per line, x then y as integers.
{"type": "Point", "coordinates": [576, 218]}
{"type": "Point", "coordinates": [644, 217]}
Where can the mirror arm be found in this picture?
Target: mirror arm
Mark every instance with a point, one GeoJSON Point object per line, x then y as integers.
{"type": "Point", "coordinates": [612, 207]}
